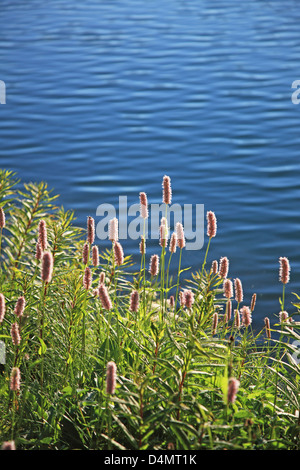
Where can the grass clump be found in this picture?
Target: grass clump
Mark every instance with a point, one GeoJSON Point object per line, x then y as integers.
{"type": "Point", "coordinates": [102, 355]}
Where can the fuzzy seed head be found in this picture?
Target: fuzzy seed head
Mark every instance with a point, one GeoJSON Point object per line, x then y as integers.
{"type": "Point", "coordinates": [119, 254]}
{"type": "Point", "coordinates": [267, 326]}
{"type": "Point", "coordinates": [215, 320]}
{"type": "Point", "coordinates": [43, 237]}
{"type": "Point", "coordinates": [143, 245]}
{"type": "Point", "coordinates": [228, 288]}
{"type": "Point", "coordinates": [38, 251]}
{"type": "Point", "coordinates": [180, 235]}
{"type": "Point", "coordinates": [47, 267]}
{"type": "Point", "coordinates": [189, 298]}
{"type": "Point", "coordinates": [114, 230]}
{"type": "Point", "coordinates": [211, 224]}
{"type": "Point", "coordinates": [87, 278]}
{"type": "Point", "coordinates": [95, 256]}
{"type": "Point", "coordinates": [15, 379]}
{"type": "Point", "coordinates": [253, 302]}
{"type": "Point", "coordinates": [246, 316]}
{"type": "Point", "coordinates": [8, 445]}
{"type": "Point", "coordinates": [144, 206]}
{"type": "Point", "coordinates": [283, 316]}
{"type": "Point", "coordinates": [134, 301]}
{"type": "Point", "coordinates": [104, 297]}
{"type": "Point", "coordinates": [173, 243]}
{"type": "Point", "coordinates": [154, 265]}
{"type": "Point", "coordinates": [237, 319]}
{"type": "Point", "coordinates": [2, 218]}
{"type": "Point", "coordinates": [15, 334]}
{"type": "Point", "coordinates": [111, 378]}
{"type": "Point", "coordinates": [214, 267]}
{"type": "Point", "coordinates": [164, 232]}
{"type": "Point", "coordinates": [85, 253]}
{"type": "Point", "coordinates": [233, 387]}
{"type": "Point", "coordinates": [2, 307]}
{"type": "Point", "coordinates": [182, 299]}
{"type": "Point", "coordinates": [90, 230]}
{"type": "Point", "coordinates": [20, 306]}
{"type": "Point", "coordinates": [102, 278]}
{"type": "Point", "coordinates": [167, 191]}
{"type": "Point", "coordinates": [228, 310]}
{"type": "Point", "coordinates": [223, 267]}
{"type": "Point", "coordinates": [239, 295]}
{"type": "Point", "coordinates": [284, 270]}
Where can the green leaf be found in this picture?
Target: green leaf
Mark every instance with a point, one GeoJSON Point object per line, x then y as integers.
{"type": "Point", "coordinates": [42, 348]}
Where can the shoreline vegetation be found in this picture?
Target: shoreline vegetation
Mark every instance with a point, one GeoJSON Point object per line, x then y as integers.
{"type": "Point", "coordinates": [97, 357]}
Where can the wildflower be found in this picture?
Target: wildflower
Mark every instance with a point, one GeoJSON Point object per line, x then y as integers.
{"type": "Point", "coordinates": [253, 302]}
{"type": "Point", "coordinates": [114, 230]}
{"type": "Point", "coordinates": [228, 288]}
{"type": "Point", "coordinates": [163, 232]}
{"type": "Point", "coordinates": [233, 387]}
{"type": "Point", "coordinates": [85, 253]}
{"type": "Point", "coordinates": [102, 278]}
{"type": "Point", "coordinates": [215, 323]}
{"type": "Point", "coordinates": [189, 298]}
{"type": "Point", "coordinates": [15, 334]}
{"type": "Point", "coordinates": [134, 301]}
{"type": "Point", "coordinates": [144, 206]}
{"type": "Point", "coordinates": [111, 377]}
{"type": "Point", "coordinates": [172, 301]}
{"type": "Point", "coordinates": [90, 230]}
{"type": "Point", "coordinates": [154, 265]}
{"type": "Point", "coordinates": [267, 326]}
{"type": "Point", "coordinates": [2, 218]}
{"type": "Point", "coordinates": [43, 238]}
{"type": "Point", "coordinates": [87, 278]}
{"type": "Point", "coordinates": [38, 251]}
{"type": "Point", "coordinates": [2, 307]}
{"type": "Point", "coordinates": [119, 254]}
{"type": "Point", "coordinates": [211, 224]}
{"type": "Point", "coordinates": [173, 243]}
{"type": "Point", "coordinates": [180, 235]}
{"type": "Point", "coordinates": [223, 267]}
{"type": "Point", "coordinates": [8, 445]}
{"type": "Point", "coordinates": [167, 191]}
{"type": "Point", "coordinates": [283, 316]}
{"type": "Point", "coordinates": [47, 267]}
{"type": "Point", "coordinates": [182, 299]}
{"type": "Point", "coordinates": [20, 306]}
{"type": "Point", "coordinates": [143, 245]}
{"type": "Point", "coordinates": [284, 270]}
{"type": "Point", "coordinates": [15, 379]}
{"type": "Point", "coordinates": [228, 310]}
{"type": "Point", "coordinates": [104, 297]}
{"type": "Point", "coordinates": [237, 319]}
{"type": "Point", "coordinates": [95, 256]}
{"type": "Point", "coordinates": [214, 267]}
{"type": "Point", "coordinates": [238, 290]}
{"type": "Point", "coordinates": [246, 316]}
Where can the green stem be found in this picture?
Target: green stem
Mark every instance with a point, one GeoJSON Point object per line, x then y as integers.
{"type": "Point", "coordinates": [178, 276]}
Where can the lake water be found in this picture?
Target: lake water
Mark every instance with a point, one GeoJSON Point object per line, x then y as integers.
{"type": "Point", "coordinates": [104, 97]}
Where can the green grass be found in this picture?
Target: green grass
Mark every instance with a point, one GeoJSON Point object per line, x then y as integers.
{"type": "Point", "coordinates": [172, 371]}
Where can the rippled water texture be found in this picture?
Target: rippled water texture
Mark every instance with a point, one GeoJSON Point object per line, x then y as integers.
{"type": "Point", "coordinates": [105, 97]}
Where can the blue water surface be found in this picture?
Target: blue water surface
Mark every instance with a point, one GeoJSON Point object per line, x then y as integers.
{"type": "Point", "coordinates": [104, 97]}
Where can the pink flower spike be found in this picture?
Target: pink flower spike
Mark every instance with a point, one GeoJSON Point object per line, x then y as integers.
{"type": "Point", "coordinates": [167, 191]}
{"type": "Point", "coordinates": [111, 377]}
{"type": "Point", "coordinates": [211, 224]}
{"type": "Point", "coordinates": [90, 230]}
{"type": "Point", "coordinates": [284, 270]}
{"type": "Point", "coordinates": [144, 206]}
